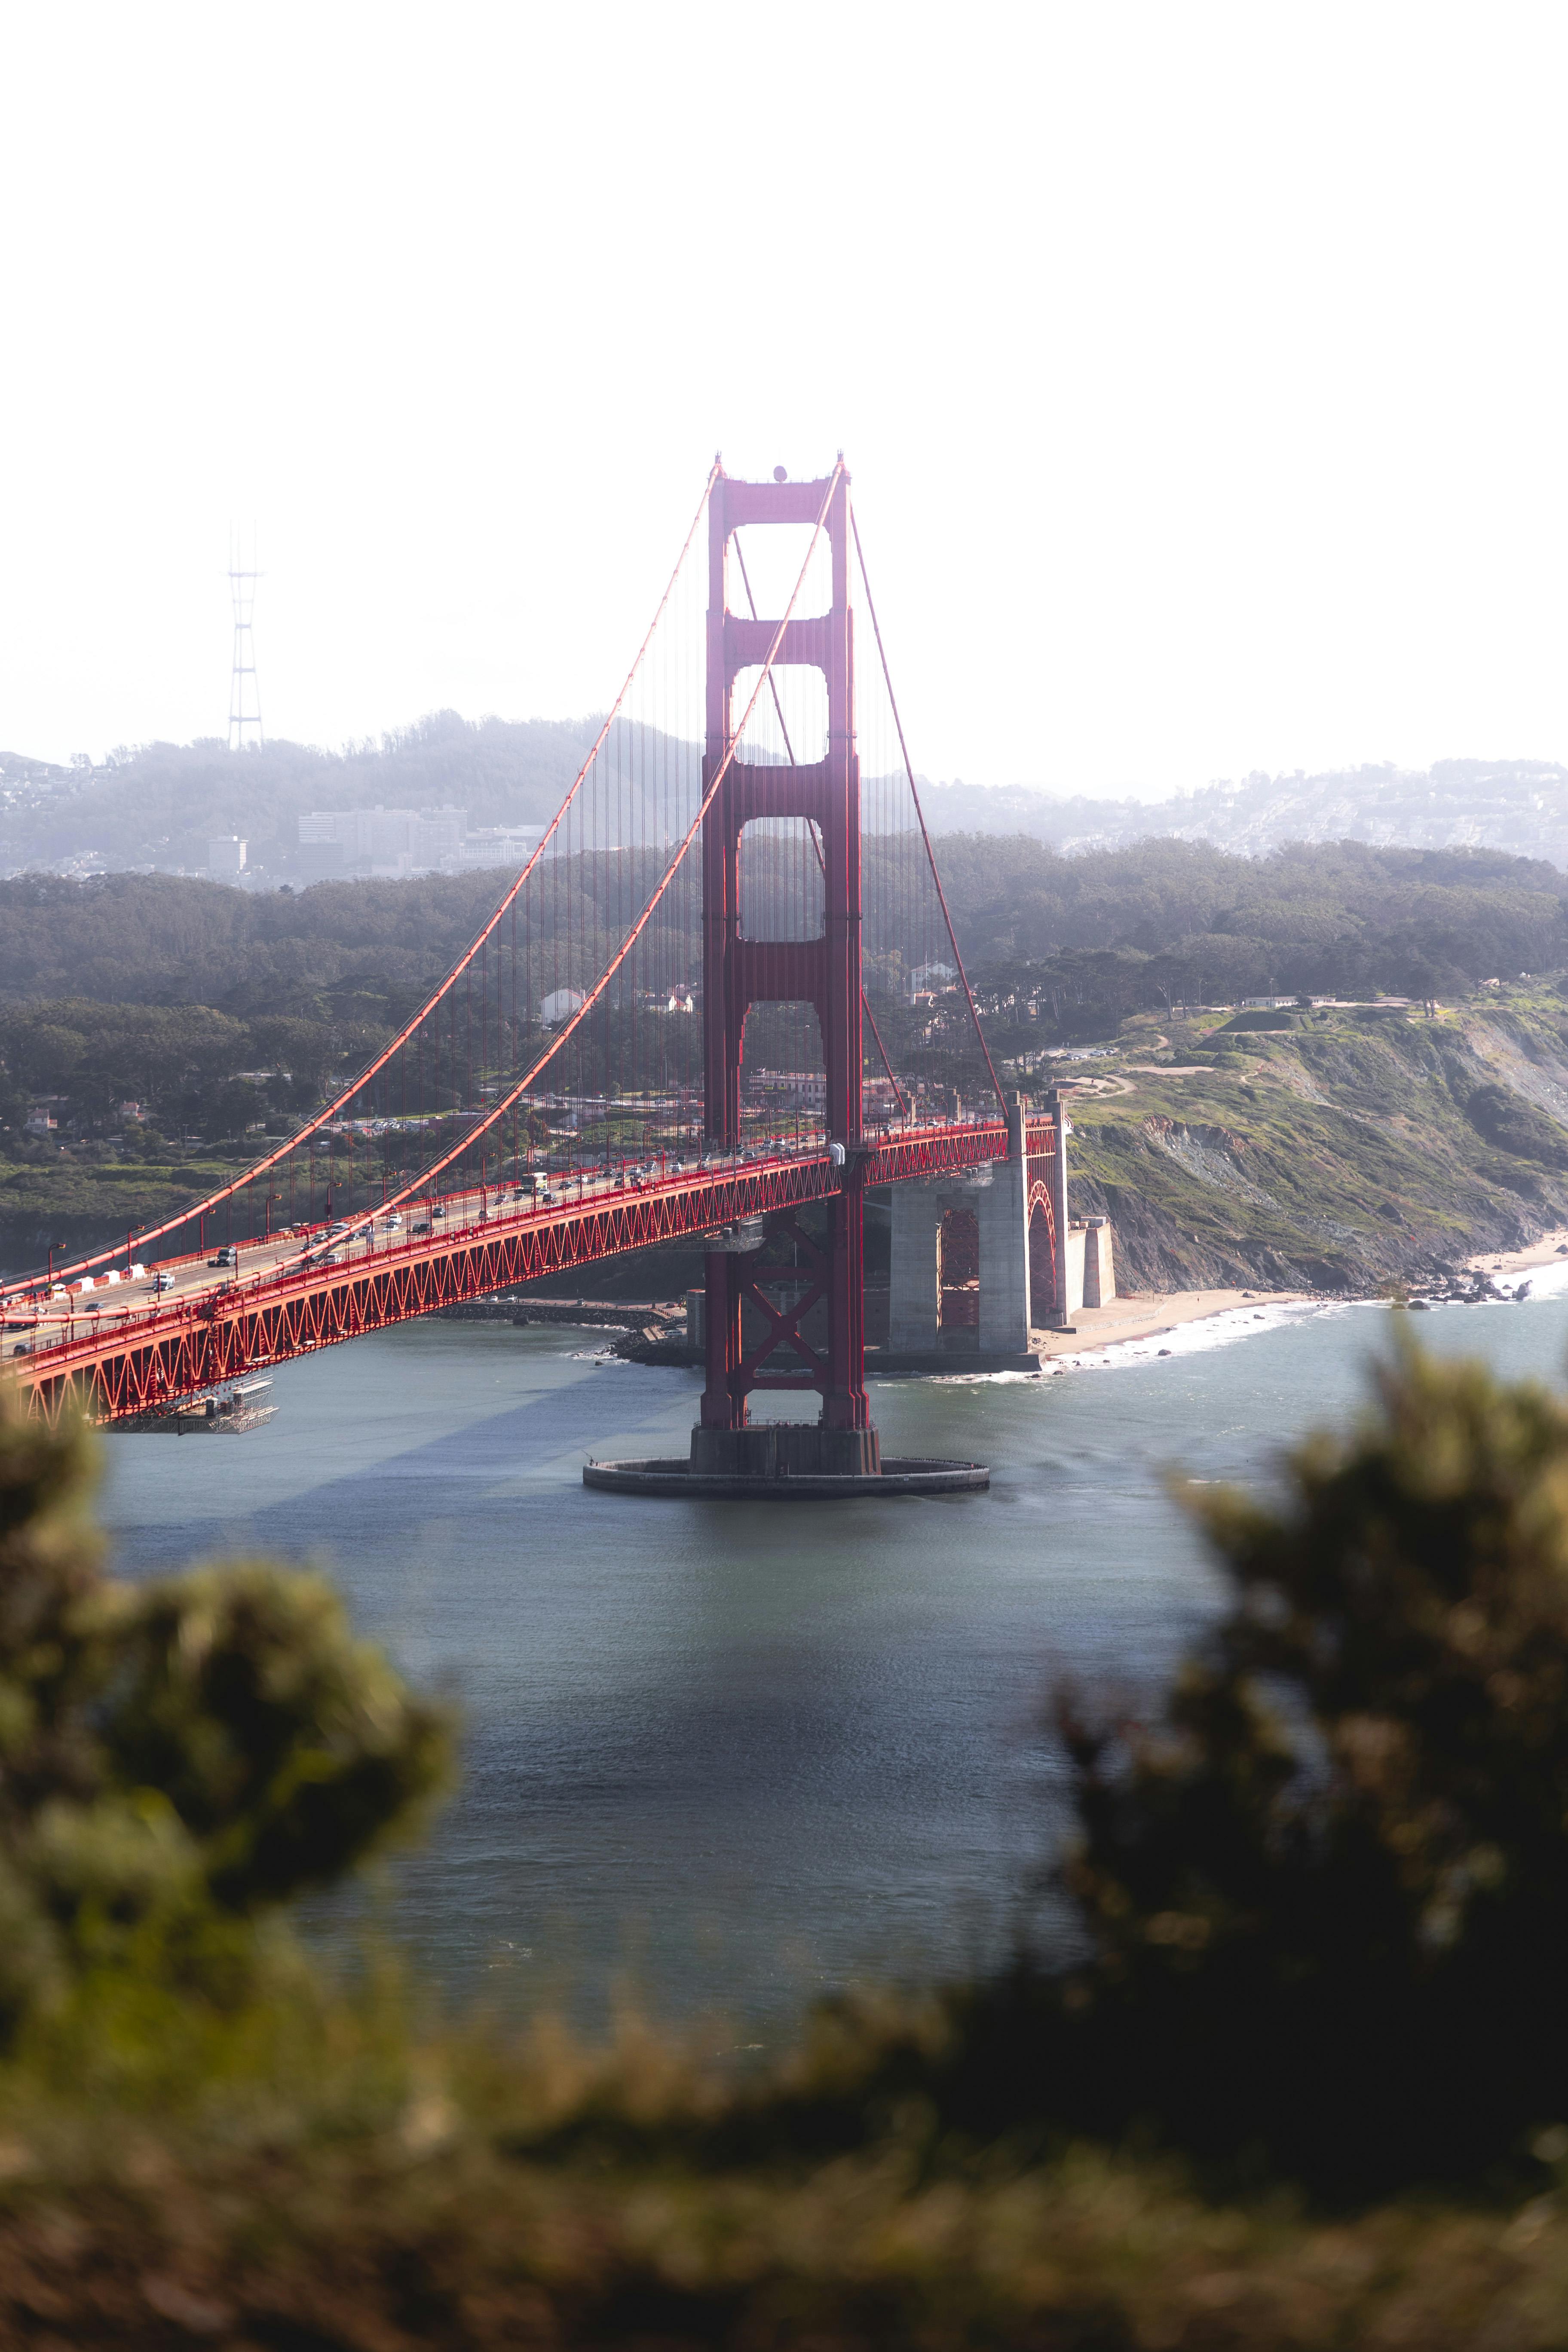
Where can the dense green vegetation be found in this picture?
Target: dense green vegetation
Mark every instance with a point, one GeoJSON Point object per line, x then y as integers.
{"type": "Point", "coordinates": [1094, 937]}
{"type": "Point", "coordinates": [1301, 2080]}
{"type": "Point", "coordinates": [1178, 919]}
{"type": "Point", "coordinates": [1358, 1146]}
{"type": "Point", "coordinates": [1327, 1892]}
{"type": "Point", "coordinates": [177, 1758]}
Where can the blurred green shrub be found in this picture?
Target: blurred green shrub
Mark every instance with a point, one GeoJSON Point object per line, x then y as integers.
{"type": "Point", "coordinates": [177, 1758]}
{"type": "Point", "coordinates": [1326, 1892]}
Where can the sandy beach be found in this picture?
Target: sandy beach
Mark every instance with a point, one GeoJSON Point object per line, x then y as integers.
{"type": "Point", "coordinates": [1146, 1317]}
{"type": "Point", "coordinates": [1541, 1253]}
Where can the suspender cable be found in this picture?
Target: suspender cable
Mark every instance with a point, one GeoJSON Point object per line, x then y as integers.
{"type": "Point", "coordinates": [583, 1012]}
{"type": "Point", "coordinates": [811, 829]}
{"type": "Point", "coordinates": [914, 789]}
{"type": "Point", "coordinates": [445, 991]}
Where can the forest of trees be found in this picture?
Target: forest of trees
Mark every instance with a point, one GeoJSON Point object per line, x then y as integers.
{"type": "Point", "coordinates": [1095, 937]}
{"type": "Point", "coordinates": [162, 988]}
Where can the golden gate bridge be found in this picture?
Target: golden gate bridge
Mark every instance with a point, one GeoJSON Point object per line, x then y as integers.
{"type": "Point", "coordinates": [722, 999]}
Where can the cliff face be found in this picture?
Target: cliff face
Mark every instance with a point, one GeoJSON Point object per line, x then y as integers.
{"type": "Point", "coordinates": [1358, 1149]}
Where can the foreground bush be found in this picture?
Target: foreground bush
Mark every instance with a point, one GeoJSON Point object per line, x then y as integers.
{"type": "Point", "coordinates": [1326, 1887]}
{"type": "Point", "coordinates": [376, 2198]}
{"type": "Point", "coordinates": [176, 1759]}
{"type": "Point", "coordinates": [1327, 1918]}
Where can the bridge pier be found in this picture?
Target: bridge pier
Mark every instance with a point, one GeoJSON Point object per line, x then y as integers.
{"type": "Point", "coordinates": [982, 1262]}
{"type": "Point", "coordinates": [959, 1264]}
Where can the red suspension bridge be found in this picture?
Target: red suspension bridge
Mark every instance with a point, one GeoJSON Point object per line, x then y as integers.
{"type": "Point", "coordinates": [724, 998]}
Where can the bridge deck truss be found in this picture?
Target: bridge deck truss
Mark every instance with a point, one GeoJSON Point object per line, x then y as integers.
{"type": "Point", "coordinates": [122, 1362]}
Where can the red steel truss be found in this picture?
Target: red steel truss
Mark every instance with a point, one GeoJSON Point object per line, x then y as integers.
{"type": "Point", "coordinates": [127, 1362]}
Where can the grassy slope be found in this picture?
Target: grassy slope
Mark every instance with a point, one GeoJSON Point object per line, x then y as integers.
{"type": "Point", "coordinates": [78, 1206]}
{"type": "Point", "coordinates": [1339, 1155]}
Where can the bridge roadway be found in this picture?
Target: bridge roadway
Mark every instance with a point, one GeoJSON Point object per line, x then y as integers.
{"type": "Point", "coordinates": [133, 1348]}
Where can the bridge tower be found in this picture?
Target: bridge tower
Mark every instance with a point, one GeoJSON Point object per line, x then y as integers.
{"type": "Point", "coordinates": [738, 972]}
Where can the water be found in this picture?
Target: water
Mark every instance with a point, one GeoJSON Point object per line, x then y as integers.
{"type": "Point", "coordinates": [743, 1752]}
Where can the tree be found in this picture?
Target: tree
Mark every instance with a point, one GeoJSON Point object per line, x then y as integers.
{"type": "Point", "coordinates": [176, 1759]}
{"type": "Point", "coordinates": [1324, 1891]}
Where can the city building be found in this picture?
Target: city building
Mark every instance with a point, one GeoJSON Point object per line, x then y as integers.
{"type": "Point", "coordinates": [391, 841]}
{"type": "Point", "coordinates": [929, 977]}
{"type": "Point", "coordinates": [498, 844]}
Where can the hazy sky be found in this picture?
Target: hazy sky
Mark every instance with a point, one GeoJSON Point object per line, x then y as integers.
{"type": "Point", "coordinates": [1201, 368]}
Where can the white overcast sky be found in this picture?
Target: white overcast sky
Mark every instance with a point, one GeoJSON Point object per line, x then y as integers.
{"type": "Point", "coordinates": [1201, 367]}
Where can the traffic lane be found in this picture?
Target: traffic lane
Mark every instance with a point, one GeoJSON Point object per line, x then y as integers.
{"type": "Point", "coordinates": [458, 1213]}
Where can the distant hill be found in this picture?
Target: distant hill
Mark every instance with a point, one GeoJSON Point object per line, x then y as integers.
{"type": "Point", "coordinates": [155, 806]}
{"type": "Point", "coordinates": [1515, 805]}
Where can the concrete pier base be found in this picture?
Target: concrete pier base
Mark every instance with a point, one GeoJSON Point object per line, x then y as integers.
{"type": "Point", "coordinates": [786, 1462]}
{"type": "Point", "coordinates": [922, 1300]}
{"type": "Point", "coordinates": [785, 1449]}
{"type": "Point", "coordinates": [675, 1480]}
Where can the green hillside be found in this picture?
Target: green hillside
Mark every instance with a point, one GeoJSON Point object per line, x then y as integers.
{"type": "Point", "coordinates": [1340, 1148]}
{"type": "Point", "coordinates": [1359, 1147]}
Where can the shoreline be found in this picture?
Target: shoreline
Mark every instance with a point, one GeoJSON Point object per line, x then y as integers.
{"type": "Point", "coordinates": [1545, 1252]}
{"type": "Point", "coordinates": [1146, 1317]}
{"type": "Point", "coordinates": [1127, 1320]}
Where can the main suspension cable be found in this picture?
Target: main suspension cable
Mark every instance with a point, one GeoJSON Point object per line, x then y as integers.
{"type": "Point", "coordinates": [378, 1063]}
{"type": "Point", "coordinates": [811, 829]}
{"type": "Point", "coordinates": [438, 1167]}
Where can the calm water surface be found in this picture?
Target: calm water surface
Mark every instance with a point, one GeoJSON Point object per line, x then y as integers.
{"type": "Point", "coordinates": [746, 1752]}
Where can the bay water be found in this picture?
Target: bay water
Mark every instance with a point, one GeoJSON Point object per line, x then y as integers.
{"type": "Point", "coordinates": [736, 1755]}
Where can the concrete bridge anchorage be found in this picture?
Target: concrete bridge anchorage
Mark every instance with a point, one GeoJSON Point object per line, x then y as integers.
{"type": "Point", "coordinates": [983, 1262]}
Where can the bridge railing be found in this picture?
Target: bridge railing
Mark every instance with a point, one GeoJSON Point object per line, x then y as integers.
{"type": "Point", "coordinates": [891, 1155]}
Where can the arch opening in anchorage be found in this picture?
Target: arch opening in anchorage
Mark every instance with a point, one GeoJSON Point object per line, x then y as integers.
{"type": "Point", "coordinates": [1043, 1300]}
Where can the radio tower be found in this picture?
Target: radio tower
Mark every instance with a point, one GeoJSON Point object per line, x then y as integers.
{"type": "Point", "coordinates": [244, 703]}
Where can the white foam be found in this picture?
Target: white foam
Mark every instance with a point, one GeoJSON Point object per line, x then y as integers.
{"type": "Point", "coordinates": [1549, 1281]}
{"type": "Point", "coordinates": [1196, 1338]}
{"type": "Point", "coordinates": [1221, 1331]}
